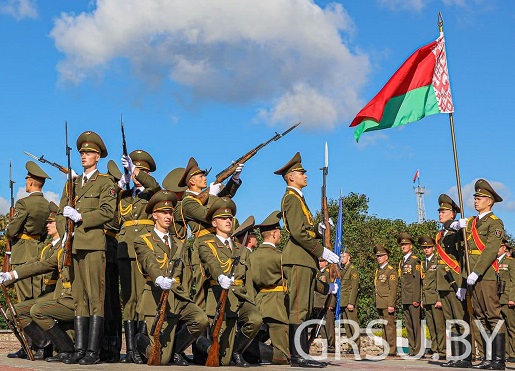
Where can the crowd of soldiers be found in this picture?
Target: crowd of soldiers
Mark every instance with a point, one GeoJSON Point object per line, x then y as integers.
{"type": "Point", "coordinates": [134, 239]}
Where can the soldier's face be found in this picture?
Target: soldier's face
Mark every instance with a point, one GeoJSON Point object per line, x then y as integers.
{"type": "Point", "coordinates": [89, 159]}
{"type": "Point", "coordinates": [446, 215]}
{"type": "Point", "coordinates": [251, 241]}
{"type": "Point", "coordinates": [298, 179]}
{"type": "Point", "coordinates": [482, 204]}
{"type": "Point", "coordinates": [51, 228]}
{"type": "Point", "coordinates": [406, 248]}
{"type": "Point", "coordinates": [381, 259]}
{"type": "Point", "coordinates": [502, 250]}
{"type": "Point", "coordinates": [163, 219]}
{"type": "Point", "coordinates": [428, 250]}
{"type": "Point", "coordinates": [223, 225]}
{"type": "Point", "coordinates": [198, 181]}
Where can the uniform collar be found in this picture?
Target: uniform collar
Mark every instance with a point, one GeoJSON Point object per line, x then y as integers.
{"type": "Point", "coordinates": [481, 216]}
{"type": "Point", "coordinates": [268, 243]}
{"type": "Point", "coordinates": [161, 235]}
{"type": "Point", "coordinates": [406, 257]}
{"type": "Point", "coordinates": [225, 239]}
{"type": "Point", "coordinates": [89, 175]}
{"type": "Point", "coordinates": [501, 257]}
{"type": "Point", "coordinates": [431, 257]}
{"type": "Point", "coordinates": [296, 190]}
{"type": "Point", "coordinates": [384, 265]}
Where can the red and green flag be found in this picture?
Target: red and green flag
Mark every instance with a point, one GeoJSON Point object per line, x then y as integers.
{"type": "Point", "coordinates": [419, 88]}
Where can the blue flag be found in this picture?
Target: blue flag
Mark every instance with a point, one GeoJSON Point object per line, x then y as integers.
{"type": "Point", "coordinates": [337, 250]}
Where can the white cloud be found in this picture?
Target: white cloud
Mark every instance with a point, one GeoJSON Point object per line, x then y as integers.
{"type": "Point", "coordinates": [287, 55]}
{"type": "Point", "coordinates": [414, 5]}
{"type": "Point", "coordinates": [49, 195]}
{"type": "Point", "coordinates": [370, 139]}
{"type": "Point", "coordinates": [19, 9]}
{"type": "Point", "coordinates": [468, 191]}
{"type": "Point", "coordinates": [4, 206]}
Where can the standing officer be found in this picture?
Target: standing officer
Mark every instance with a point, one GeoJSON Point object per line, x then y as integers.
{"type": "Point", "coordinates": [27, 229]}
{"type": "Point", "coordinates": [411, 285]}
{"type": "Point", "coordinates": [506, 291]}
{"type": "Point", "coordinates": [430, 299]}
{"type": "Point", "coordinates": [95, 204]}
{"type": "Point", "coordinates": [349, 298]}
{"type": "Point", "coordinates": [160, 261]}
{"type": "Point", "coordinates": [385, 283]}
{"type": "Point", "coordinates": [134, 220]}
{"type": "Point", "coordinates": [300, 257]}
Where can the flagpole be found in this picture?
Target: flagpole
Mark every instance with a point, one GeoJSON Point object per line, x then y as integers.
{"type": "Point", "coordinates": [457, 169]}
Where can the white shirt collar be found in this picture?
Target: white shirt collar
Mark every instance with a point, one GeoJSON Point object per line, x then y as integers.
{"type": "Point", "coordinates": [481, 216]}
{"type": "Point", "coordinates": [384, 265]}
{"type": "Point", "coordinates": [501, 257]}
{"type": "Point", "coordinates": [407, 256]}
{"type": "Point", "coordinates": [55, 242]}
{"type": "Point", "coordinates": [431, 257]}
{"type": "Point", "coordinates": [192, 192]}
{"type": "Point", "coordinates": [268, 243]}
{"type": "Point", "coordinates": [161, 235]}
{"type": "Point", "coordinates": [297, 190]}
{"type": "Point", "coordinates": [225, 239]}
{"type": "Point", "coordinates": [89, 175]}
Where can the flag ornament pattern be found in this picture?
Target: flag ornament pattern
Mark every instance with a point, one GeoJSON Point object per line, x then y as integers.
{"type": "Point", "coordinates": [419, 88]}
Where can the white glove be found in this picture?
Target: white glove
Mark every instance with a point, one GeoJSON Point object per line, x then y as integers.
{"type": "Point", "coordinates": [237, 172]}
{"type": "Point", "coordinates": [5, 277]}
{"type": "Point", "coordinates": [459, 224]}
{"type": "Point", "coordinates": [124, 180]}
{"type": "Point", "coordinates": [70, 212]}
{"type": "Point", "coordinates": [460, 294]}
{"type": "Point", "coordinates": [215, 189]}
{"type": "Point", "coordinates": [321, 226]}
{"type": "Point", "coordinates": [164, 282]}
{"type": "Point", "coordinates": [472, 278]}
{"type": "Point", "coordinates": [127, 163]}
{"type": "Point", "coordinates": [333, 288]}
{"type": "Point", "coordinates": [330, 256]}
{"type": "Point", "coordinates": [74, 175]}
{"type": "Point", "coordinates": [224, 281]}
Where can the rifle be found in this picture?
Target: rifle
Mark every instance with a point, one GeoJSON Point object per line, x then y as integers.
{"type": "Point", "coordinates": [213, 356]}
{"type": "Point", "coordinates": [7, 256]}
{"type": "Point", "coordinates": [125, 153]}
{"type": "Point", "coordinates": [42, 159]}
{"type": "Point", "coordinates": [15, 324]}
{"type": "Point", "coordinates": [228, 171]}
{"type": "Point", "coordinates": [155, 353]}
{"type": "Point", "coordinates": [70, 191]}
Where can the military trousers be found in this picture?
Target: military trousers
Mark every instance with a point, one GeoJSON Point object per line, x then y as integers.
{"type": "Point", "coordinates": [280, 342]}
{"type": "Point", "coordinates": [132, 283]}
{"type": "Point", "coordinates": [88, 282]}
{"type": "Point", "coordinates": [485, 303]}
{"type": "Point", "coordinates": [389, 330]}
{"type": "Point", "coordinates": [350, 329]}
{"type": "Point", "coordinates": [412, 321]}
{"type": "Point", "coordinates": [46, 313]}
{"type": "Point", "coordinates": [436, 323]}
{"type": "Point", "coordinates": [453, 309]}
{"type": "Point", "coordinates": [328, 328]}
{"type": "Point", "coordinates": [301, 286]}
{"type": "Point", "coordinates": [508, 313]}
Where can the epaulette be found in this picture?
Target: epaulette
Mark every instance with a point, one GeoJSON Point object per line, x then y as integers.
{"type": "Point", "coordinates": [494, 217]}
{"type": "Point", "coordinates": [352, 265]}
{"type": "Point", "coordinates": [212, 240]}
{"type": "Point", "coordinates": [415, 257]}
{"type": "Point", "coordinates": [389, 266]}
{"type": "Point", "coordinates": [101, 174]}
{"type": "Point", "coordinates": [146, 234]}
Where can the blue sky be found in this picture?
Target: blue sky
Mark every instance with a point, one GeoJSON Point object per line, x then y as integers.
{"type": "Point", "coordinates": [214, 79]}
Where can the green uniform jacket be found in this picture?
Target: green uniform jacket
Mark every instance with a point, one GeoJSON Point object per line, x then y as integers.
{"type": "Point", "coordinates": [385, 282]}
{"type": "Point", "coordinates": [320, 294]}
{"type": "Point", "coordinates": [450, 242]}
{"type": "Point", "coordinates": [266, 274]}
{"type": "Point", "coordinates": [154, 260]}
{"type": "Point", "coordinates": [430, 280]}
{"type": "Point", "coordinates": [49, 278]}
{"type": "Point", "coordinates": [30, 215]}
{"type": "Point", "coordinates": [411, 280]}
{"type": "Point", "coordinates": [216, 259]}
{"type": "Point", "coordinates": [349, 285]}
{"type": "Point", "coordinates": [490, 229]}
{"type": "Point", "coordinates": [131, 210]}
{"type": "Point", "coordinates": [303, 247]}
{"type": "Point", "coordinates": [507, 274]}
{"type": "Point", "coordinates": [55, 265]}
{"type": "Point", "coordinates": [96, 202]}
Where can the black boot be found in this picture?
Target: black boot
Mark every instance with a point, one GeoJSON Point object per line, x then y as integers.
{"type": "Point", "coordinates": [132, 355]}
{"type": "Point", "coordinates": [200, 350]}
{"type": "Point", "coordinates": [20, 353]}
{"type": "Point", "coordinates": [183, 339]}
{"type": "Point", "coordinates": [81, 326]}
{"type": "Point", "coordinates": [241, 342]}
{"type": "Point", "coordinates": [487, 358]}
{"type": "Point", "coordinates": [464, 361]}
{"type": "Point", "coordinates": [62, 341]}
{"type": "Point", "coordinates": [96, 328]}
{"type": "Point", "coordinates": [498, 352]}
{"type": "Point", "coordinates": [455, 351]}
{"type": "Point", "coordinates": [141, 346]}
{"type": "Point", "coordinates": [114, 349]}
{"type": "Point", "coordinates": [40, 341]}
{"type": "Point", "coordinates": [296, 360]}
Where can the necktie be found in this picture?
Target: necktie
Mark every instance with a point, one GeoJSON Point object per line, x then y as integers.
{"type": "Point", "coordinates": [165, 239]}
{"type": "Point", "coordinates": [427, 262]}
{"type": "Point", "coordinates": [228, 245]}
{"type": "Point", "coordinates": [84, 181]}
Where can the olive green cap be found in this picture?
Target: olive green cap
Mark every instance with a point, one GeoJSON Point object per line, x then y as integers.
{"type": "Point", "coordinates": [142, 159]}
{"type": "Point", "coordinates": [293, 165]}
{"type": "Point", "coordinates": [447, 203]}
{"type": "Point", "coordinates": [89, 141]}
{"type": "Point", "coordinates": [171, 181]}
{"type": "Point", "coordinates": [506, 243]}
{"type": "Point", "coordinates": [484, 189]}
{"type": "Point", "coordinates": [34, 171]}
{"type": "Point", "coordinates": [404, 237]}
{"type": "Point", "coordinates": [426, 241]}
{"type": "Point", "coordinates": [191, 169]}
{"type": "Point", "coordinates": [113, 170]}
{"type": "Point", "coordinates": [223, 207]}
{"type": "Point", "coordinates": [381, 250]}
{"type": "Point", "coordinates": [246, 226]}
{"type": "Point", "coordinates": [53, 209]}
{"type": "Point", "coordinates": [271, 222]}
{"type": "Point", "coordinates": [162, 200]}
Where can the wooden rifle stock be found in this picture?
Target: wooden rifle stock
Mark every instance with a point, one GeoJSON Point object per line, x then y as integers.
{"type": "Point", "coordinates": [70, 191]}
{"type": "Point", "coordinates": [213, 359]}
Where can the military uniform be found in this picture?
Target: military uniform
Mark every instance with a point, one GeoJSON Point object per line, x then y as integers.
{"type": "Point", "coordinates": [157, 259]}
{"type": "Point", "coordinates": [26, 231]}
{"type": "Point", "coordinates": [319, 303]}
{"type": "Point", "coordinates": [385, 283]}
{"type": "Point", "coordinates": [507, 277]}
{"type": "Point", "coordinates": [349, 296]}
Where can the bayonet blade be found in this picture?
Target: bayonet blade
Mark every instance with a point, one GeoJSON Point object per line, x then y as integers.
{"type": "Point", "coordinates": [326, 156]}
{"type": "Point", "coordinates": [31, 155]}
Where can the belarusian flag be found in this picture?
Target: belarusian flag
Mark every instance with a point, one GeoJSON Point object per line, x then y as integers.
{"type": "Point", "coordinates": [418, 89]}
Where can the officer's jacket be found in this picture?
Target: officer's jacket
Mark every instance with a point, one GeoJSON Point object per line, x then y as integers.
{"type": "Point", "coordinates": [490, 230]}
{"type": "Point", "coordinates": [320, 295]}
{"type": "Point", "coordinates": [411, 284]}
{"type": "Point", "coordinates": [430, 280]}
{"type": "Point", "coordinates": [385, 282]}
{"type": "Point", "coordinates": [450, 242]}
{"type": "Point", "coordinates": [269, 283]}
{"type": "Point", "coordinates": [217, 259]}
{"type": "Point", "coordinates": [349, 285]}
{"type": "Point", "coordinates": [303, 247]}
{"type": "Point", "coordinates": [507, 275]}
{"type": "Point", "coordinates": [27, 227]}
{"type": "Point", "coordinates": [96, 202]}
{"type": "Point", "coordinates": [132, 217]}
{"type": "Point", "coordinates": [156, 259]}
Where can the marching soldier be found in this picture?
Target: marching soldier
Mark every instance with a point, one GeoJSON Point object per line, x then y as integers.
{"type": "Point", "coordinates": [134, 220]}
{"type": "Point", "coordinates": [217, 252]}
{"type": "Point", "coordinates": [160, 261]}
{"type": "Point", "coordinates": [506, 291]}
{"type": "Point", "coordinates": [319, 303]}
{"type": "Point", "coordinates": [411, 285]}
{"type": "Point", "coordinates": [430, 299]}
{"type": "Point", "coordinates": [271, 287]}
{"type": "Point", "coordinates": [244, 233]}
{"type": "Point", "coordinates": [300, 257]}
{"type": "Point", "coordinates": [385, 283]}
{"type": "Point", "coordinates": [349, 297]}
{"type": "Point", "coordinates": [95, 204]}
{"type": "Point", "coordinates": [26, 230]}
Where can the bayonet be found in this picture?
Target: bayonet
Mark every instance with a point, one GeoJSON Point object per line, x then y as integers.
{"type": "Point", "coordinates": [42, 159]}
